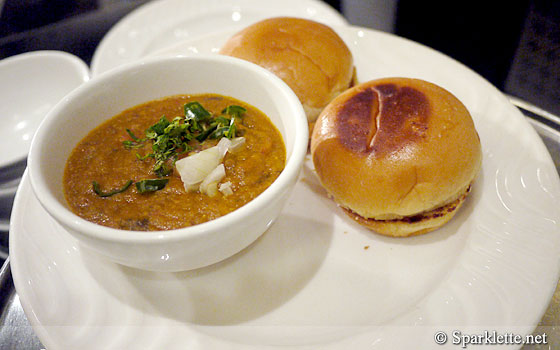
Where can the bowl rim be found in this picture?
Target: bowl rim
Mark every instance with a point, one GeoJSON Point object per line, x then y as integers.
{"type": "Point", "coordinates": [64, 215]}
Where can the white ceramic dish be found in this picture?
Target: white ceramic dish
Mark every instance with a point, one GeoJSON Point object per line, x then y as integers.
{"type": "Point", "coordinates": [161, 23]}
{"type": "Point", "coordinates": [30, 85]}
{"type": "Point", "coordinates": [129, 85]}
{"type": "Point", "coordinates": [315, 279]}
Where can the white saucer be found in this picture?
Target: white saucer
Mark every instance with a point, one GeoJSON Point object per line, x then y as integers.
{"type": "Point", "coordinates": [30, 85]}
{"type": "Point", "coordinates": [162, 23]}
{"type": "Point", "coordinates": [316, 279]}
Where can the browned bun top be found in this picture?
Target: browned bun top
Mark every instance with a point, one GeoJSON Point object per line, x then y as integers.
{"type": "Point", "coordinates": [309, 56]}
{"type": "Point", "coordinates": [395, 147]}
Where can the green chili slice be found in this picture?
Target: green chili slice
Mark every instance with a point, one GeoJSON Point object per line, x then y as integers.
{"type": "Point", "coordinates": [100, 193]}
{"type": "Point", "coordinates": [234, 110]}
{"type": "Point", "coordinates": [151, 185]}
{"type": "Point", "coordinates": [194, 110]}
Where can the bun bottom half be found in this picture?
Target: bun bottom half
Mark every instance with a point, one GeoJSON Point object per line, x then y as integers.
{"type": "Point", "coordinates": [412, 225]}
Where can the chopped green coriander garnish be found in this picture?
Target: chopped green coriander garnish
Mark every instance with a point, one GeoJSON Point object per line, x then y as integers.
{"type": "Point", "coordinates": [135, 143]}
{"type": "Point", "coordinates": [172, 138]}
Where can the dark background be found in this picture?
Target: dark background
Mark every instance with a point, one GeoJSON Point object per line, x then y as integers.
{"type": "Point", "coordinates": [513, 44]}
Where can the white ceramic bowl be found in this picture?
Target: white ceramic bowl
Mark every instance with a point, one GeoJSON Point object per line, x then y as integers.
{"type": "Point", "coordinates": [30, 85]}
{"type": "Point", "coordinates": [127, 86]}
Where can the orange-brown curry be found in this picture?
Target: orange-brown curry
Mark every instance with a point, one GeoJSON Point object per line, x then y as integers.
{"type": "Point", "coordinates": [101, 157]}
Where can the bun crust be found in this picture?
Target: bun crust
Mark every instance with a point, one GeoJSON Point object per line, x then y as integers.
{"type": "Point", "coordinates": [396, 148]}
{"type": "Point", "coordinates": [309, 56]}
{"type": "Point", "coordinates": [412, 225]}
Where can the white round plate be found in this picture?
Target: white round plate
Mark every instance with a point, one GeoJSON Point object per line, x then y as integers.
{"type": "Point", "coordinates": [161, 23]}
{"type": "Point", "coordinates": [316, 279]}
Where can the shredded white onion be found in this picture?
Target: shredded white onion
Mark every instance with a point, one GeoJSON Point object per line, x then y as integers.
{"type": "Point", "coordinates": [223, 146]}
{"type": "Point", "coordinates": [225, 188]}
{"type": "Point", "coordinates": [203, 170]}
{"type": "Point", "coordinates": [210, 184]}
{"type": "Point", "coordinates": [236, 144]}
{"type": "Point", "coordinates": [211, 189]}
{"type": "Point", "coordinates": [194, 168]}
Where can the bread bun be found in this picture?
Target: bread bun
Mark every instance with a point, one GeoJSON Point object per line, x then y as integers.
{"type": "Point", "coordinates": [398, 154]}
{"type": "Point", "coordinates": [309, 56]}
